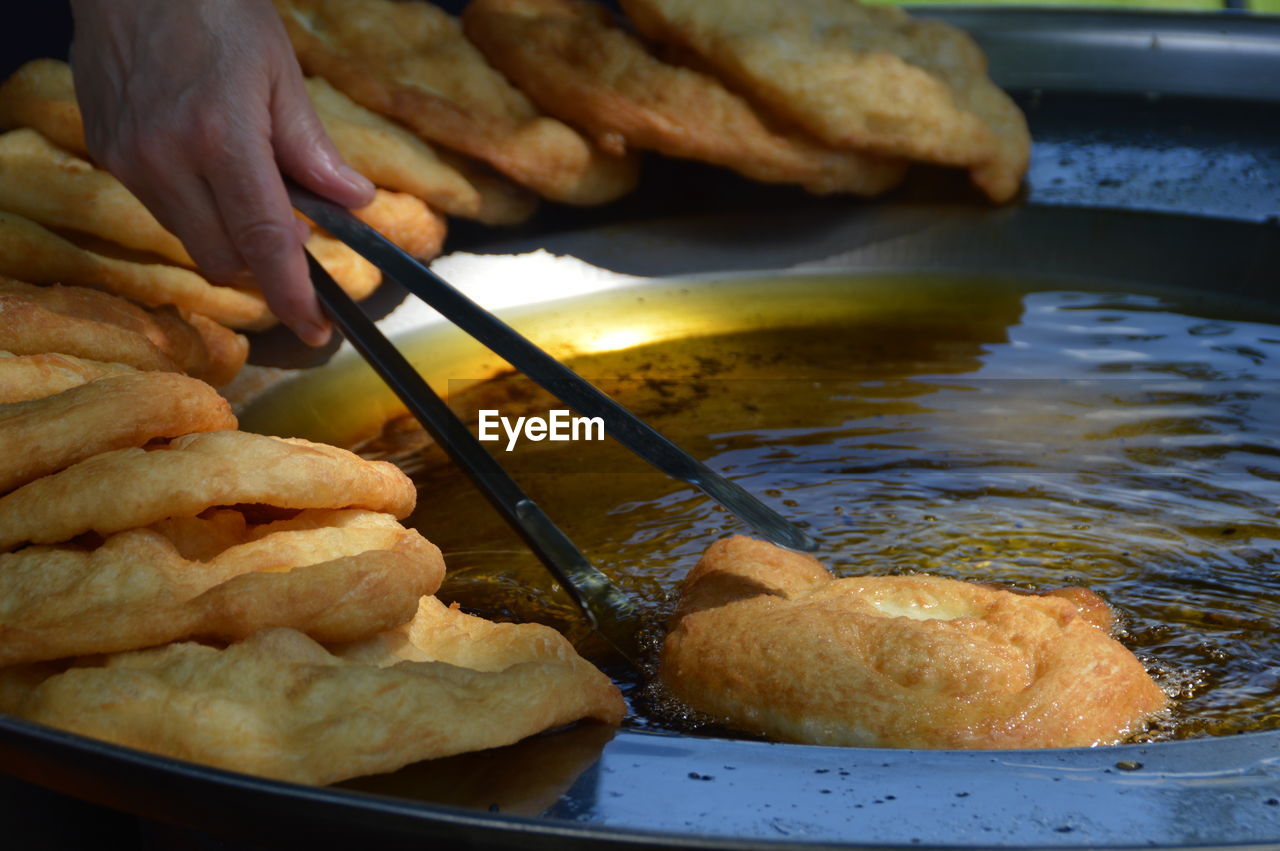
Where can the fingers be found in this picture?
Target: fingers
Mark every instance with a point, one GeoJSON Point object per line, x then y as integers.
{"type": "Point", "coordinates": [305, 152]}
{"type": "Point", "coordinates": [198, 107]}
{"type": "Point", "coordinates": [261, 226]}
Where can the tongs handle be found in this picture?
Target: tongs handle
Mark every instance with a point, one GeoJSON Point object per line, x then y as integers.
{"type": "Point", "coordinates": [546, 371]}
{"type": "Point", "coordinates": [608, 609]}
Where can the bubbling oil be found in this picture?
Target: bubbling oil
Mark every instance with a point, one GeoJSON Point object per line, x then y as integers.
{"type": "Point", "coordinates": [1035, 438]}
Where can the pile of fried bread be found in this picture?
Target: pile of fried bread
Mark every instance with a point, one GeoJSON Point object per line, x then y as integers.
{"type": "Point", "coordinates": [252, 602]}
{"type": "Point", "coordinates": [481, 116]}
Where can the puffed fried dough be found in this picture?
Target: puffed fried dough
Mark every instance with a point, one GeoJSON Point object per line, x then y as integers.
{"type": "Point", "coordinates": [571, 59]}
{"type": "Point", "coordinates": [43, 436]}
{"type": "Point", "coordinates": [27, 327]}
{"type": "Point", "coordinates": [32, 253]}
{"type": "Point", "coordinates": [867, 77]}
{"type": "Point", "coordinates": [440, 633]}
{"type": "Point", "coordinates": [405, 220]}
{"type": "Point", "coordinates": [52, 187]}
{"type": "Point", "coordinates": [356, 275]}
{"type": "Point", "coordinates": [502, 200]}
{"type": "Point", "coordinates": [279, 705]}
{"type": "Point", "coordinates": [360, 574]}
{"type": "Point", "coordinates": [768, 640]}
{"type": "Point", "coordinates": [390, 155]}
{"type": "Point", "coordinates": [41, 94]}
{"type": "Point", "coordinates": [27, 377]}
{"type": "Point", "coordinates": [410, 62]}
{"type": "Point", "coordinates": [222, 355]}
{"type": "Point", "coordinates": [131, 488]}
{"type": "Point", "coordinates": [99, 326]}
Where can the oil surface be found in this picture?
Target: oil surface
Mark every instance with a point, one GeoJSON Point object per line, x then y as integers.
{"type": "Point", "coordinates": [1032, 438]}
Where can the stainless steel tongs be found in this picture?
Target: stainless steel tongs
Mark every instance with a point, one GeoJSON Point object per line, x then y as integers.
{"type": "Point", "coordinates": [609, 610]}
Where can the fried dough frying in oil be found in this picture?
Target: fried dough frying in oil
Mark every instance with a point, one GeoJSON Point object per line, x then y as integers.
{"type": "Point", "coordinates": [767, 639]}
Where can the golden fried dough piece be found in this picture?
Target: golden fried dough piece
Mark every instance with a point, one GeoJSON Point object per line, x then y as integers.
{"type": "Point", "coordinates": [42, 94]}
{"type": "Point", "coordinates": [99, 326]}
{"type": "Point", "coordinates": [41, 182]}
{"type": "Point", "coordinates": [358, 575]}
{"type": "Point", "coordinates": [26, 377]}
{"type": "Point", "coordinates": [402, 218]}
{"type": "Point", "coordinates": [32, 253]}
{"type": "Point", "coordinates": [866, 77]}
{"type": "Point", "coordinates": [410, 61]}
{"type": "Point", "coordinates": [279, 705]}
{"type": "Point", "coordinates": [357, 276]}
{"type": "Point", "coordinates": [767, 639]}
{"type": "Point", "coordinates": [389, 154]}
{"type": "Point", "coordinates": [502, 201]}
{"type": "Point", "coordinates": [43, 436]}
{"type": "Point", "coordinates": [217, 356]}
{"type": "Point", "coordinates": [130, 488]}
{"type": "Point", "coordinates": [27, 327]}
{"type": "Point", "coordinates": [44, 183]}
{"type": "Point", "coordinates": [405, 220]}
{"type": "Point", "coordinates": [571, 59]}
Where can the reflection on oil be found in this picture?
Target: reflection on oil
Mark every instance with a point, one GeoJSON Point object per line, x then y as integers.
{"type": "Point", "coordinates": [1035, 438]}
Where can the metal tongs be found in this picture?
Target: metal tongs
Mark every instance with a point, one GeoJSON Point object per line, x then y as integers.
{"type": "Point", "coordinates": [609, 610]}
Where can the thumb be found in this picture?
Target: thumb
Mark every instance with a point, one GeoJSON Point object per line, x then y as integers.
{"type": "Point", "coordinates": [304, 151]}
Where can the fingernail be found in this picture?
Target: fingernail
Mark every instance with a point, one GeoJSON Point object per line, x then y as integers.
{"type": "Point", "coordinates": [357, 180]}
{"type": "Point", "coordinates": [313, 334]}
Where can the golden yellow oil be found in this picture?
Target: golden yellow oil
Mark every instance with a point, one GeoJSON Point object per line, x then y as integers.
{"type": "Point", "coordinates": [1031, 436]}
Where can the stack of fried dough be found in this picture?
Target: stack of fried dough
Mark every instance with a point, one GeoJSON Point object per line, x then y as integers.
{"type": "Point", "coordinates": [556, 94]}
{"type": "Point", "coordinates": [170, 583]}
{"type": "Point", "coordinates": [521, 99]}
{"type": "Point", "coordinates": [65, 220]}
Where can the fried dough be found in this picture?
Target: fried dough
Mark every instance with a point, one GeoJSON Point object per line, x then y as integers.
{"type": "Point", "coordinates": [410, 61]}
{"type": "Point", "coordinates": [575, 63]}
{"type": "Point", "coordinates": [131, 488]}
{"type": "Point", "coordinates": [766, 639]}
{"type": "Point", "coordinates": [279, 705]}
{"type": "Point", "coordinates": [42, 436]}
{"type": "Point", "coordinates": [42, 94]}
{"type": "Point", "coordinates": [502, 200]}
{"type": "Point", "coordinates": [405, 220]}
{"type": "Point", "coordinates": [866, 77]}
{"type": "Point", "coordinates": [27, 377]}
{"type": "Point", "coordinates": [221, 353]}
{"type": "Point", "coordinates": [99, 326]}
{"type": "Point", "coordinates": [44, 183]}
{"type": "Point", "coordinates": [390, 155]}
{"type": "Point", "coordinates": [53, 188]}
{"type": "Point", "coordinates": [32, 253]}
{"type": "Point", "coordinates": [359, 575]}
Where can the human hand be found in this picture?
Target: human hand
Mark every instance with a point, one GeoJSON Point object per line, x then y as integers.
{"type": "Point", "coordinates": [199, 108]}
